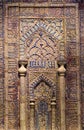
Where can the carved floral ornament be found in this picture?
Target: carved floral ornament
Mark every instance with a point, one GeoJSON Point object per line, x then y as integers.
{"type": "Point", "coordinates": [41, 43]}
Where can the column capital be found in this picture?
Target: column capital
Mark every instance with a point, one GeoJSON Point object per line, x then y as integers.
{"type": "Point", "coordinates": [32, 103]}
{"type": "Point", "coordinates": [23, 62]}
{"type": "Point", "coordinates": [61, 69]}
{"type": "Point", "coordinates": [61, 62]}
{"type": "Point", "coordinates": [53, 101]}
{"type": "Point", "coordinates": [22, 70]}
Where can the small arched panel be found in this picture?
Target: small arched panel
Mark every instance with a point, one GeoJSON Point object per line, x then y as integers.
{"type": "Point", "coordinates": [43, 96]}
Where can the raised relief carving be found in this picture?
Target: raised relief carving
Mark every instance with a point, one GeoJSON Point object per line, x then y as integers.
{"type": "Point", "coordinates": [43, 90]}
{"type": "Point", "coordinates": [41, 42]}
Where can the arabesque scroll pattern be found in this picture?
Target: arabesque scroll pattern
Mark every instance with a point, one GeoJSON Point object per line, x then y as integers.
{"type": "Point", "coordinates": [41, 41]}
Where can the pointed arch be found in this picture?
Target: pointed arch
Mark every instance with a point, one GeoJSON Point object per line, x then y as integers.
{"type": "Point", "coordinates": [33, 29]}
{"type": "Point", "coordinates": [40, 79]}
